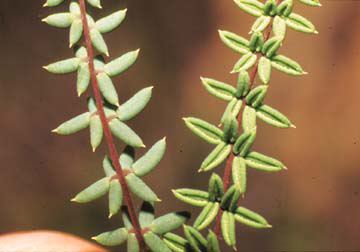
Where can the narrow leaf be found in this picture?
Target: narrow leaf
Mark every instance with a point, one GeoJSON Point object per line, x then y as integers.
{"type": "Point", "coordinates": [107, 89]}
{"type": "Point", "coordinates": [52, 3]}
{"type": "Point", "coordinates": [256, 96]}
{"type": "Point", "coordinates": [169, 222]}
{"type": "Point", "coordinates": [249, 119]}
{"type": "Point", "coordinates": [132, 244]}
{"type": "Point", "coordinates": [108, 167]}
{"type": "Point", "coordinates": [99, 42]}
{"type": "Point", "coordinates": [96, 132]}
{"type": "Point", "coordinates": [111, 22]}
{"type": "Point", "coordinates": [205, 130]}
{"type": "Point", "coordinates": [250, 218]}
{"type": "Point", "coordinates": [115, 197]}
{"type": "Point", "coordinates": [155, 243]}
{"type": "Point", "coordinates": [286, 65]}
{"type": "Point", "coordinates": [239, 174]}
{"type": "Point", "coordinates": [245, 62]}
{"type": "Point", "coordinates": [74, 125]}
{"type": "Point", "coordinates": [113, 238]}
{"type": "Point", "coordinates": [176, 243]}
{"type": "Point", "coordinates": [230, 198]}
{"type": "Point", "coordinates": [228, 229]}
{"type": "Point", "coordinates": [121, 64]}
{"type": "Point", "coordinates": [59, 20]}
{"type": "Point", "coordinates": [135, 104]}
{"type": "Point", "coordinates": [124, 133]}
{"type": "Point", "coordinates": [213, 243]}
{"type": "Point", "coordinates": [233, 108]}
{"type": "Point", "coordinates": [299, 23]}
{"type": "Point", "coordinates": [261, 24]}
{"type": "Point", "coordinates": [83, 78]}
{"type": "Point", "coordinates": [139, 188]}
{"type": "Point", "coordinates": [244, 143]}
{"type": "Point", "coordinates": [207, 215]}
{"type": "Point", "coordinates": [264, 70]}
{"type": "Point", "coordinates": [279, 27]}
{"type": "Point", "coordinates": [76, 31]}
{"type": "Point", "coordinates": [151, 159]}
{"type": "Point", "coordinates": [95, 191]}
{"type": "Point", "coordinates": [95, 3]}
{"type": "Point", "coordinates": [264, 163]}
{"type": "Point", "coordinates": [253, 7]}
{"type": "Point", "coordinates": [273, 117]}
{"type": "Point", "coordinates": [216, 157]}
{"type": "Point", "coordinates": [127, 157]}
{"type": "Point", "coordinates": [216, 188]}
{"type": "Point", "coordinates": [315, 3]}
{"type": "Point", "coordinates": [191, 196]}
{"type": "Point", "coordinates": [197, 242]}
{"type": "Point", "coordinates": [219, 89]}
{"type": "Point", "coordinates": [234, 41]}
{"type": "Point", "coordinates": [63, 66]}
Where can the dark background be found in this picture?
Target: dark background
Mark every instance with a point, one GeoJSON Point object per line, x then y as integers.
{"type": "Point", "coordinates": [314, 206]}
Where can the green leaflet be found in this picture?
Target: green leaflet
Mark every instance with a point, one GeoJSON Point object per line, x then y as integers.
{"type": "Point", "coordinates": [233, 108]}
{"type": "Point", "coordinates": [249, 119]}
{"type": "Point", "coordinates": [155, 243]}
{"type": "Point", "coordinates": [256, 42]}
{"type": "Point", "coordinates": [95, 3]}
{"type": "Point", "coordinates": [243, 84]}
{"type": "Point", "coordinates": [239, 174]}
{"type": "Point", "coordinates": [191, 196]}
{"type": "Point", "coordinates": [107, 88]}
{"type": "Point", "coordinates": [196, 241]}
{"type": "Point", "coordinates": [271, 46]}
{"type": "Point", "coordinates": [213, 243]}
{"type": "Point", "coordinates": [121, 64]}
{"type": "Point", "coordinates": [175, 243]}
{"type": "Point", "coordinates": [216, 157]}
{"type": "Point", "coordinates": [147, 214]}
{"type": "Point", "coordinates": [111, 22]}
{"type": "Point", "coordinates": [207, 215]}
{"type": "Point", "coordinates": [93, 192]}
{"type": "Point", "coordinates": [273, 117]}
{"type": "Point", "coordinates": [270, 8]}
{"type": "Point", "coordinates": [135, 104]}
{"type": "Point", "coordinates": [299, 23]}
{"type": "Point", "coordinates": [64, 66]}
{"type": "Point", "coordinates": [52, 3]}
{"type": "Point", "coordinates": [96, 132]}
{"type": "Point", "coordinates": [140, 189]}
{"type": "Point", "coordinates": [253, 7]}
{"type": "Point", "coordinates": [59, 20]}
{"type": "Point", "coordinates": [151, 159]}
{"type": "Point", "coordinates": [250, 218]}
{"type": "Point", "coordinates": [108, 167]}
{"type": "Point", "coordinates": [76, 31]}
{"type": "Point", "coordinates": [244, 143]}
{"type": "Point", "coordinates": [264, 70]}
{"type": "Point", "coordinates": [256, 96]}
{"type": "Point", "coordinates": [169, 222]}
{"type": "Point", "coordinates": [99, 42]}
{"type": "Point", "coordinates": [216, 188]}
{"type": "Point", "coordinates": [285, 8]}
{"type": "Point", "coordinates": [234, 41]}
{"type": "Point", "coordinates": [286, 65]}
{"type": "Point", "coordinates": [261, 24]}
{"type": "Point", "coordinates": [112, 238]}
{"type": "Point", "coordinates": [264, 163]}
{"type": "Point", "coordinates": [83, 78]}
{"type": "Point", "coordinates": [205, 130]}
{"type": "Point", "coordinates": [230, 129]}
{"type": "Point", "coordinates": [124, 133]}
{"type": "Point", "coordinates": [127, 157]}
{"type": "Point", "coordinates": [228, 229]}
{"type": "Point", "coordinates": [115, 197]}
{"type": "Point", "coordinates": [132, 244]}
{"type": "Point", "coordinates": [219, 89]}
{"type": "Point", "coordinates": [279, 27]}
{"type": "Point", "coordinates": [245, 62]}
{"type": "Point", "coordinates": [74, 125]}
{"type": "Point", "coordinates": [315, 3]}
{"type": "Point", "coordinates": [230, 199]}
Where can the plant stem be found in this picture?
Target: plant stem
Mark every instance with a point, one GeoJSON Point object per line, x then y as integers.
{"type": "Point", "coordinates": [114, 156]}
{"type": "Point", "coordinates": [228, 166]}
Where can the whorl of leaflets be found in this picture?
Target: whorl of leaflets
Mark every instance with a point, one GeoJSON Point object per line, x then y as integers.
{"type": "Point", "coordinates": [146, 232]}
{"type": "Point", "coordinates": [235, 134]}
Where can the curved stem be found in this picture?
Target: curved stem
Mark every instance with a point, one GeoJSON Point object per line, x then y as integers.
{"type": "Point", "coordinates": [114, 156]}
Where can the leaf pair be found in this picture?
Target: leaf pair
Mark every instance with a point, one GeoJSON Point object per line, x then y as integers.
{"type": "Point", "coordinates": [104, 72]}
{"type": "Point", "coordinates": [73, 20]}
{"type": "Point", "coordinates": [116, 119]}
{"type": "Point", "coordinates": [152, 230]}
{"type": "Point", "coordinates": [134, 170]}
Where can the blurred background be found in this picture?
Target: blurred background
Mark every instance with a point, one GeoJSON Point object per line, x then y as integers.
{"type": "Point", "coordinates": [314, 206]}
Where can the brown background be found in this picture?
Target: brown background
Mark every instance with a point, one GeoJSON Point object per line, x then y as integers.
{"type": "Point", "coordinates": [314, 206]}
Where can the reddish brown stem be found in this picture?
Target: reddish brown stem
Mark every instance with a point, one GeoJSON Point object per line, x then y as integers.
{"type": "Point", "coordinates": [228, 166]}
{"type": "Point", "coordinates": [114, 156]}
